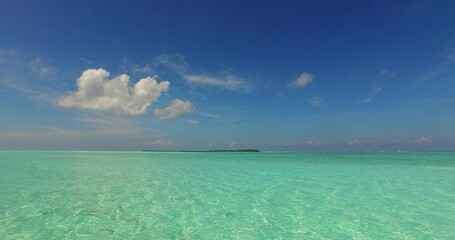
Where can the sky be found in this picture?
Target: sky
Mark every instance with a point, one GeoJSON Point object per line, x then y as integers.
{"type": "Point", "coordinates": [198, 75]}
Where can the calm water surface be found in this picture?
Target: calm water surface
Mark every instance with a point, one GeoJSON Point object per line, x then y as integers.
{"type": "Point", "coordinates": [140, 195]}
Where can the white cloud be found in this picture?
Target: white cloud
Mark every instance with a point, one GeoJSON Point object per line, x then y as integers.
{"type": "Point", "coordinates": [231, 82]}
{"type": "Point", "coordinates": [177, 108]}
{"type": "Point", "coordinates": [303, 80]}
{"type": "Point", "coordinates": [97, 92]}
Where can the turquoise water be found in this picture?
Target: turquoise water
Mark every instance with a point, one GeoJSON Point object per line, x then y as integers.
{"type": "Point", "coordinates": [139, 195]}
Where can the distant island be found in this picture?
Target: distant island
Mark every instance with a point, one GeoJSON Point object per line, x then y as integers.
{"type": "Point", "coordinates": [237, 150]}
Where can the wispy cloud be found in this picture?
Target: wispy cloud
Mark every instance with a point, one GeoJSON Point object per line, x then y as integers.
{"type": "Point", "coordinates": [98, 93]}
{"type": "Point", "coordinates": [94, 126]}
{"type": "Point", "coordinates": [176, 109]}
{"type": "Point", "coordinates": [193, 122]}
{"type": "Point", "coordinates": [317, 143]}
{"type": "Point", "coordinates": [130, 126]}
{"type": "Point", "coordinates": [88, 61]}
{"type": "Point", "coordinates": [303, 80]}
{"type": "Point", "coordinates": [219, 118]}
{"type": "Point", "coordinates": [177, 63]}
{"type": "Point", "coordinates": [388, 73]}
{"type": "Point", "coordinates": [115, 122]}
{"type": "Point", "coordinates": [442, 76]}
{"type": "Point", "coordinates": [423, 140]}
{"type": "Point", "coordinates": [360, 142]}
{"type": "Point", "coordinates": [428, 101]}
{"type": "Point", "coordinates": [377, 85]}
{"type": "Point", "coordinates": [47, 132]}
{"type": "Point", "coordinates": [230, 82]}
{"type": "Point", "coordinates": [161, 143]}
{"type": "Point", "coordinates": [142, 69]}
{"type": "Point", "coordinates": [316, 101]}
{"type": "Point", "coordinates": [448, 54]}
{"type": "Point", "coordinates": [366, 100]}
{"type": "Point", "coordinates": [233, 144]}
{"type": "Point", "coordinates": [26, 73]}
{"type": "Point", "coordinates": [375, 88]}
{"type": "Point", "coordinates": [136, 69]}
{"type": "Point", "coordinates": [39, 67]}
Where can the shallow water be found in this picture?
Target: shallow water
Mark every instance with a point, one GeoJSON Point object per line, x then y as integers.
{"type": "Point", "coordinates": [150, 195]}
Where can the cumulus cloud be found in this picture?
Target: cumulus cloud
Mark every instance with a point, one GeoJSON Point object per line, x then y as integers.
{"type": "Point", "coordinates": [177, 108]}
{"type": "Point", "coordinates": [99, 93]}
{"type": "Point", "coordinates": [303, 80]}
{"type": "Point", "coordinates": [231, 82]}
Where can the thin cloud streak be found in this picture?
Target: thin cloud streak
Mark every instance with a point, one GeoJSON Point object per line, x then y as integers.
{"type": "Point", "coordinates": [177, 63]}
{"type": "Point", "coordinates": [231, 82]}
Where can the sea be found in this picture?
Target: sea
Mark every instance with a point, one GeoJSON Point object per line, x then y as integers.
{"type": "Point", "coordinates": [202, 195]}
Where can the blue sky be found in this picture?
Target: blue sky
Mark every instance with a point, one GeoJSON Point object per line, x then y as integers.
{"type": "Point", "coordinates": [195, 75]}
